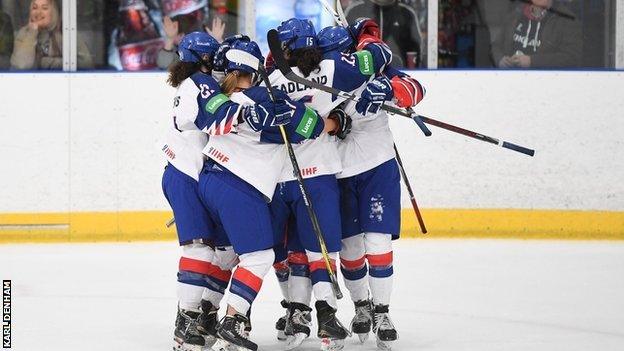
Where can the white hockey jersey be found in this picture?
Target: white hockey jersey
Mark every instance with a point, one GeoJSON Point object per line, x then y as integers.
{"type": "Point", "coordinates": [243, 152]}
{"type": "Point", "coordinates": [320, 156]}
{"type": "Point", "coordinates": [184, 141]}
{"type": "Point", "coordinates": [369, 144]}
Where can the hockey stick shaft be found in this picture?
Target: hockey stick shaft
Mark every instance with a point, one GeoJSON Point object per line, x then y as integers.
{"type": "Point", "coordinates": [421, 222]}
{"type": "Point", "coordinates": [341, 20]}
{"type": "Point", "coordinates": [304, 192]}
{"type": "Point", "coordinates": [282, 65]}
{"type": "Point", "coordinates": [478, 136]}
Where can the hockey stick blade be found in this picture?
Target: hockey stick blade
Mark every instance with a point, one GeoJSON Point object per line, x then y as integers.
{"type": "Point", "coordinates": [278, 55]}
{"type": "Point", "coordinates": [341, 13]}
{"type": "Point", "coordinates": [333, 12]}
{"type": "Point", "coordinates": [518, 148]}
{"type": "Point", "coordinates": [241, 57]}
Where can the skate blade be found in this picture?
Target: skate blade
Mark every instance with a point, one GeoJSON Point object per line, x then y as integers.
{"type": "Point", "coordinates": [295, 340]}
{"type": "Point", "coordinates": [384, 345]}
{"type": "Point", "coordinates": [328, 344]}
{"type": "Point", "coordinates": [363, 337]}
{"type": "Point", "coordinates": [222, 345]}
{"type": "Point", "coordinates": [210, 340]}
{"type": "Point", "coordinates": [281, 336]}
{"type": "Point", "coordinates": [179, 345]}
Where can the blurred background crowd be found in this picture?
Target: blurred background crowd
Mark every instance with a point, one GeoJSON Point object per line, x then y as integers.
{"type": "Point", "coordinates": [143, 34]}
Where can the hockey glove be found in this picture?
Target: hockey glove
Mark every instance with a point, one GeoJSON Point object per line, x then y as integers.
{"type": "Point", "coordinates": [343, 121]}
{"type": "Point", "coordinates": [267, 115]}
{"type": "Point", "coordinates": [378, 91]}
{"type": "Point", "coordinates": [408, 91]}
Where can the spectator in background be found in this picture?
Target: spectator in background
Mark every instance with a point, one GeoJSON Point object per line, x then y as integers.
{"type": "Point", "coordinates": [38, 45]}
{"type": "Point", "coordinates": [400, 28]}
{"type": "Point", "coordinates": [539, 35]}
{"type": "Point", "coordinates": [6, 40]}
{"type": "Point", "coordinates": [175, 28]}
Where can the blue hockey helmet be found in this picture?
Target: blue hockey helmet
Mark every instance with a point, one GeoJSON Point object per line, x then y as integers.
{"type": "Point", "coordinates": [297, 34]}
{"type": "Point", "coordinates": [194, 45]}
{"type": "Point", "coordinates": [219, 62]}
{"type": "Point", "coordinates": [334, 38]}
{"type": "Point", "coordinates": [250, 47]}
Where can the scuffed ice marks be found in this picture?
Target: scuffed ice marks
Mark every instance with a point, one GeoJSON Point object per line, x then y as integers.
{"type": "Point", "coordinates": [376, 208]}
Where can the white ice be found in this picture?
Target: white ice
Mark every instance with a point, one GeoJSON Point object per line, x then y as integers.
{"type": "Point", "coordinates": [449, 295]}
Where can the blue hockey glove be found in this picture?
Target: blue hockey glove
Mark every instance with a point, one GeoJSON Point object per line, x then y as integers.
{"type": "Point", "coordinates": [378, 91]}
{"type": "Point", "coordinates": [266, 115]}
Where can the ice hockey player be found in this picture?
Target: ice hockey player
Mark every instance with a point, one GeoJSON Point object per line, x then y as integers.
{"type": "Point", "coordinates": [183, 151]}
{"type": "Point", "coordinates": [240, 176]}
{"type": "Point", "coordinates": [370, 193]}
{"type": "Point", "coordinates": [319, 165]}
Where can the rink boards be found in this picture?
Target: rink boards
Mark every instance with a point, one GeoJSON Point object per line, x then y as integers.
{"type": "Point", "coordinates": [81, 156]}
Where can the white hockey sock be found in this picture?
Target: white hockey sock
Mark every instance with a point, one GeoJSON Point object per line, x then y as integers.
{"type": "Point", "coordinates": [321, 283]}
{"type": "Point", "coordinates": [226, 259]}
{"type": "Point", "coordinates": [379, 256]}
{"type": "Point", "coordinates": [247, 279]}
{"type": "Point", "coordinates": [299, 283]}
{"type": "Point", "coordinates": [196, 264]}
{"type": "Point", "coordinates": [282, 272]}
{"type": "Point", "coordinates": [353, 267]}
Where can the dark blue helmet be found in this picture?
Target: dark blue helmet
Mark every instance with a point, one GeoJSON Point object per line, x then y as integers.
{"type": "Point", "coordinates": [249, 47]}
{"type": "Point", "coordinates": [297, 34]}
{"type": "Point", "coordinates": [219, 63]}
{"type": "Point", "coordinates": [335, 38]}
{"type": "Point", "coordinates": [194, 45]}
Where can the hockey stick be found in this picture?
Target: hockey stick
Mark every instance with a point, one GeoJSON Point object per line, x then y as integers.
{"type": "Point", "coordinates": [278, 55]}
{"type": "Point", "coordinates": [249, 60]}
{"type": "Point", "coordinates": [421, 222]}
{"type": "Point", "coordinates": [342, 21]}
{"type": "Point", "coordinates": [329, 9]}
{"type": "Point", "coordinates": [282, 65]}
{"type": "Point", "coordinates": [170, 223]}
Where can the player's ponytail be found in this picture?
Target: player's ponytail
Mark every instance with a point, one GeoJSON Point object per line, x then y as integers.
{"type": "Point", "coordinates": [231, 83]}
{"type": "Point", "coordinates": [179, 71]}
{"type": "Point", "coordinates": [307, 60]}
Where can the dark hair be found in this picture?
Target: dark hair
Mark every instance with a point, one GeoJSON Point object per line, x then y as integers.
{"type": "Point", "coordinates": [307, 60]}
{"type": "Point", "coordinates": [179, 71]}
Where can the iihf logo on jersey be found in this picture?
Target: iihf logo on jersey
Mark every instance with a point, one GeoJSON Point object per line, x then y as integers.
{"type": "Point", "coordinates": [168, 152]}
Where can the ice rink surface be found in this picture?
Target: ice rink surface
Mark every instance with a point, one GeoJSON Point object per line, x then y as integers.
{"type": "Point", "coordinates": [449, 295]}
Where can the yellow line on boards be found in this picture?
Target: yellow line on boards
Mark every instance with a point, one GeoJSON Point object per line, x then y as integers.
{"type": "Point", "coordinates": [441, 223]}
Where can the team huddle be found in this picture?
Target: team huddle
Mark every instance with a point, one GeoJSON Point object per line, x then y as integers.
{"type": "Point", "coordinates": [236, 197]}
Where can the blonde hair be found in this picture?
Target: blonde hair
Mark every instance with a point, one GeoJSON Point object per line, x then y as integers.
{"type": "Point", "coordinates": [55, 15]}
{"type": "Point", "coordinates": [231, 80]}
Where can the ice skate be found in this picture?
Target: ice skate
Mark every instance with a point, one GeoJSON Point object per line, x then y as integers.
{"type": "Point", "coordinates": [298, 325]}
{"type": "Point", "coordinates": [207, 323]}
{"type": "Point", "coordinates": [331, 332]}
{"type": "Point", "coordinates": [186, 337]}
{"type": "Point", "coordinates": [383, 328]}
{"type": "Point", "coordinates": [280, 325]}
{"type": "Point", "coordinates": [231, 335]}
{"type": "Point", "coordinates": [363, 320]}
